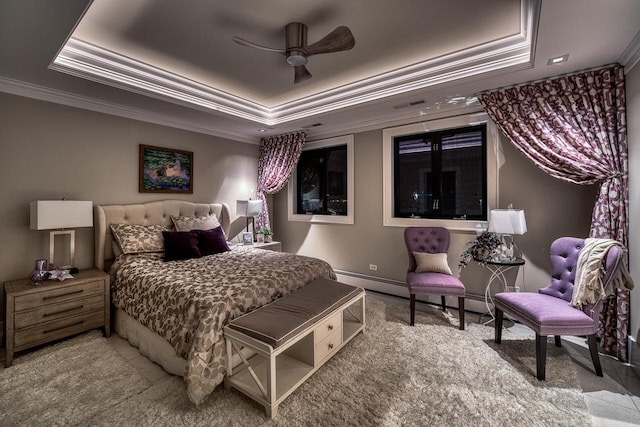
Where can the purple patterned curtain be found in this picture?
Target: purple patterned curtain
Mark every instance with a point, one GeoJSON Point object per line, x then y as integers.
{"type": "Point", "coordinates": [278, 158]}
{"type": "Point", "coordinates": [574, 128]}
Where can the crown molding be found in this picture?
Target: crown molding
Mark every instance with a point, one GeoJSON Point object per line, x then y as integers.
{"type": "Point", "coordinates": [631, 54]}
{"type": "Point", "coordinates": [30, 90]}
{"type": "Point", "coordinates": [88, 61]}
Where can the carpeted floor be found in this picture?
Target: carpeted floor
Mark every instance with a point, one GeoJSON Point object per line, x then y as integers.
{"type": "Point", "coordinates": [393, 374]}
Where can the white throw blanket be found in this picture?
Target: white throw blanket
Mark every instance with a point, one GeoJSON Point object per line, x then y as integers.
{"type": "Point", "coordinates": [588, 287]}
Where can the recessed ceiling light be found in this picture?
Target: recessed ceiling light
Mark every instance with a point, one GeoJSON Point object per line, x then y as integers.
{"type": "Point", "coordinates": [262, 130]}
{"type": "Point", "coordinates": [558, 59]}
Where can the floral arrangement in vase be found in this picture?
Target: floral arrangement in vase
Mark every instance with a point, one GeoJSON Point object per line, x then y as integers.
{"type": "Point", "coordinates": [483, 248]}
{"type": "Point", "coordinates": [267, 235]}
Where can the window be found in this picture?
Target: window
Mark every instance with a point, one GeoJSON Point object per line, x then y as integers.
{"type": "Point", "coordinates": [321, 188]}
{"type": "Point", "coordinates": [441, 174]}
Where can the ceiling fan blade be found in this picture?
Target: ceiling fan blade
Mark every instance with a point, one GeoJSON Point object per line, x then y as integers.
{"type": "Point", "coordinates": [336, 41]}
{"type": "Point", "coordinates": [248, 43]}
{"type": "Point", "coordinates": [301, 74]}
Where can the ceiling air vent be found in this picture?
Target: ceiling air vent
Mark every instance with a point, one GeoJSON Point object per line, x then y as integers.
{"type": "Point", "coordinates": [315, 125]}
{"type": "Point", "coordinates": [409, 104]}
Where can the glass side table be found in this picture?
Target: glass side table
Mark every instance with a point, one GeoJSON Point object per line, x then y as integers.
{"type": "Point", "coordinates": [498, 268]}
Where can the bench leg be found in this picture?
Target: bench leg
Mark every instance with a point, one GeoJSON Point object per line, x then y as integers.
{"type": "Point", "coordinates": [272, 410]}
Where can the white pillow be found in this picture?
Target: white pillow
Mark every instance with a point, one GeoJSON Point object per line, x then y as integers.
{"type": "Point", "coordinates": [436, 263]}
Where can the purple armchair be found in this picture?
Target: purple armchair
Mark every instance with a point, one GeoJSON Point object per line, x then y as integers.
{"type": "Point", "coordinates": [432, 240]}
{"type": "Point", "coordinates": [548, 312]}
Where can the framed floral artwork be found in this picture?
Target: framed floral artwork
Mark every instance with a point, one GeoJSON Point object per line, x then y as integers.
{"type": "Point", "coordinates": [165, 170]}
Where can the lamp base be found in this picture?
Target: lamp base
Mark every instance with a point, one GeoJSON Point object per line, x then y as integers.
{"type": "Point", "coordinates": [72, 247]}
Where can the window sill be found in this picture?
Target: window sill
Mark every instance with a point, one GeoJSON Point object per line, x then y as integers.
{"type": "Point", "coordinates": [322, 219]}
{"type": "Point", "coordinates": [451, 224]}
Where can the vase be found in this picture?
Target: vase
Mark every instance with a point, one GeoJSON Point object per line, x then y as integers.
{"type": "Point", "coordinates": [268, 239]}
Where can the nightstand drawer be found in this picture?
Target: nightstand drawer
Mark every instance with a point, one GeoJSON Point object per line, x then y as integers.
{"type": "Point", "coordinates": [51, 312]}
{"type": "Point", "coordinates": [54, 295]}
{"type": "Point", "coordinates": [59, 329]}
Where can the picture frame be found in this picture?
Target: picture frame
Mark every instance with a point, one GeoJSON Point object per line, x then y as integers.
{"type": "Point", "coordinates": [247, 238]}
{"type": "Point", "coordinates": [260, 238]}
{"type": "Point", "coordinates": [165, 170]}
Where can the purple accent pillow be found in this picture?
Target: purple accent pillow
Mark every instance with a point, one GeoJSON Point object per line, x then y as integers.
{"type": "Point", "coordinates": [180, 245]}
{"type": "Point", "coordinates": [212, 241]}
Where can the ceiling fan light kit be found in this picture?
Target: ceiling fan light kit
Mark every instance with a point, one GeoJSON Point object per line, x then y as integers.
{"type": "Point", "coordinates": [297, 51]}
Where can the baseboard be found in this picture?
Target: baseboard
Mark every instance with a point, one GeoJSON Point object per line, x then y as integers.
{"type": "Point", "coordinates": [633, 352]}
{"type": "Point", "coordinates": [473, 302]}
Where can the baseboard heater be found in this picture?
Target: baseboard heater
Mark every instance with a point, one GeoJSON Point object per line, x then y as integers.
{"type": "Point", "coordinates": [473, 302]}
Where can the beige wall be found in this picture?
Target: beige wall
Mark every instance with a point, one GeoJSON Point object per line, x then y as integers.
{"type": "Point", "coordinates": [633, 128]}
{"type": "Point", "coordinates": [553, 208]}
{"type": "Point", "coordinates": [49, 151]}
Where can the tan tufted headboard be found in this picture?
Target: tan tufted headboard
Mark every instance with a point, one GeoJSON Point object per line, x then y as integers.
{"type": "Point", "coordinates": [146, 214]}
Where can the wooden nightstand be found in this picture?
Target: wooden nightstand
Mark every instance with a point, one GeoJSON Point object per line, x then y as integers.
{"type": "Point", "coordinates": [38, 314]}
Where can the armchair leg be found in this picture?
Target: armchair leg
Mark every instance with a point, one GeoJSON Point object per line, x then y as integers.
{"type": "Point", "coordinates": [444, 306]}
{"type": "Point", "coordinates": [595, 358]}
{"type": "Point", "coordinates": [557, 339]}
{"type": "Point", "coordinates": [541, 356]}
{"type": "Point", "coordinates": [498, 326]}
{"type": "Point", "coordinates": [461, 312]}
{"type": "Point", "coordinates": [412, 308]}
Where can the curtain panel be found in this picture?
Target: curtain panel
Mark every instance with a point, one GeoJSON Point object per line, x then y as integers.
{"type": "Point", "coordinates": [277, 159]}
{"type": "Point", "coordinates": [573, 127]}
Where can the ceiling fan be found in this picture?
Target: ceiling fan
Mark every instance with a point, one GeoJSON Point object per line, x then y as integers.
{"type": "Point", "coordinates": [297, 51]}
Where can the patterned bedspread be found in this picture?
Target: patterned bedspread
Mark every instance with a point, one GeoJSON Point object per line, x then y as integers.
{"type": "Point", "coordinates": [188, 302]}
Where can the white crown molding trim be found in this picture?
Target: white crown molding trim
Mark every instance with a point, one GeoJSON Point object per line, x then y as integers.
{"type": "Point", "coordinates": [95, 63]}
{"type": "Point", "coordinates": [42, 93]}
{"type": "Point", "coordinates": [631, 54]}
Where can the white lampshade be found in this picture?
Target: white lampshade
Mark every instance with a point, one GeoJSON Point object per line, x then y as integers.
{"type": "Point", "coordinates": [249, 208]}
{"type": "Point", "coordinates": [507, 221]}
{"type": "Point", "coordinates": [59, 214]}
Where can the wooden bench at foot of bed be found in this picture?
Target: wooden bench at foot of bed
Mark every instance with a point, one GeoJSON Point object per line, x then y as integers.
{"type": "Point", "coordinates": [292, 338]}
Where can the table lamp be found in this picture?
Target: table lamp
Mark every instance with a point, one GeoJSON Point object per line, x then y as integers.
{"type": "Point", "coordinates": [506, 223]}
{"type": "Point", "coordinates": [60, 215]}
{"type": "Point", "coordinates": [249, 209]}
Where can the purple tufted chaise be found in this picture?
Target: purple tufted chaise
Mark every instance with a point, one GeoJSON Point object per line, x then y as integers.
{"type": "Point", "coordinates": [548, 312]}
{"type": "Point", "coordinates": [432, 240]}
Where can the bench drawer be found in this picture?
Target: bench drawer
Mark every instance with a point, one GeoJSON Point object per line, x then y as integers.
{"type": "Point", "coordinates": [328, 326]}
{"type": "Point", "coordinates": [328, 345]}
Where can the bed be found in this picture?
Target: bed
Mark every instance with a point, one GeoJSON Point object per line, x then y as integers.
{"type": "Point", "coordinates": [174, 311]}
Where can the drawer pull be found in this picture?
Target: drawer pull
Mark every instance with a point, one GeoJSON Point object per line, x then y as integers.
{"type": "Point", "coordinates": [63, 295]}
{"type": "Point", "coordinates": [330, 346]}
{"type": "Point", "coordinates": [330, 327]}
{"type": "Point", "coordinates": [63, 327]}
{"type": "Point", "coordinates": [63, 311]}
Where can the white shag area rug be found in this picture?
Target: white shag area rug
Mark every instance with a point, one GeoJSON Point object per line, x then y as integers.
{"type": "Point", "coordinates": [392, 375]}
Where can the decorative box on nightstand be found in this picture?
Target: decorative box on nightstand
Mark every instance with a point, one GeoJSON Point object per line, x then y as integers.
{"type": "Point", "coordinates": [50, 310]}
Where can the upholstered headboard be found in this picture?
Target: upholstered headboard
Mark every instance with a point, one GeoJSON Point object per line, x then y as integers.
{"type": "Point", "coordinates": [146, 214]}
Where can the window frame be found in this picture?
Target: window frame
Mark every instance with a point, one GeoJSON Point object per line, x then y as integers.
{"type": "Point", "coordinates": [388, 160]}
{"type": "Point", "coordinates": [293, 181]}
